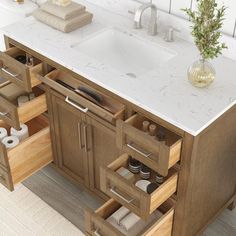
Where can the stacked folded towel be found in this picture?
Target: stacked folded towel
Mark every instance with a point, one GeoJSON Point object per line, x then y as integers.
{"type": "Point", "coordinates": [64, 18]}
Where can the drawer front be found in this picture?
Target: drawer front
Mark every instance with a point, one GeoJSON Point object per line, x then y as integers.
{"type": "Point", "coordinates": [5, 179]}
{"type": "Point", "coordinates": [8, 113]}
{"type": "Point", "coordinates": [31, 155]}
{"type": "Point", "coordinates": [80, 102]}
{"type": "Point", "coordinates": [127, 194]}
{"type": "Point", "coordinates": [13, 70]}
{"type": "Point", "coordinates": [96, 224]}
{"type": "Point", "coordinates": [146, 148]}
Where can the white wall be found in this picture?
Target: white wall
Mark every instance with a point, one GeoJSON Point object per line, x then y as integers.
{"type": "Point", "coordinates": [173, 7]}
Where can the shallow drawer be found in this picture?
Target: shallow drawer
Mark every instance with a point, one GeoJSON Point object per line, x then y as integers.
{"type": "Point", "coordinates": [129, 195]}
{"type": "Point", "coordinates": [17, 72]}
{"type": "Point", "coordinates": [14, 115]}
{"type": "Point", "coordinates": [109, 109]}
{"type": "Point", "coordinates": [29, 156]}
{"type": "Point", "coordinates": [96, 224]}
{"type": "Point", "coordinates": [147, 149]}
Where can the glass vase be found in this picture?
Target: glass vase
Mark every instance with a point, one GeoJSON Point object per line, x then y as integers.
{"type": "Point", "coordinates": [201, 73]}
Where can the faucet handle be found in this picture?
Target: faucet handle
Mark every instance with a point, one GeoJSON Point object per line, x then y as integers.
{"type": "Point", "coordinates": [169, 36]}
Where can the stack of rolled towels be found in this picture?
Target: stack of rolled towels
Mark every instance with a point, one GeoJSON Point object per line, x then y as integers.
{"type": "Point", "coordinates": [129, 223]}
{"type": "Point", "coordinates": [65, 16]}
{"type": "Point", "coordinates": [15, 136]}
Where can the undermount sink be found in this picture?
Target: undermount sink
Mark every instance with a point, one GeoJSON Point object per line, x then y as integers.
{"type": "Point", "coordinates": [124, 51]}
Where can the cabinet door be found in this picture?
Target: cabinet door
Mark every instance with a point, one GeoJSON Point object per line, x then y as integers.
{"type": "Point", "coordinates": [69, 140]}
{"type": "Point", "coordinates": [101, 150]}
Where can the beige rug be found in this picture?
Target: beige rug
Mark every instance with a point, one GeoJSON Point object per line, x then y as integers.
{"type": "Point", "coordinates": [22, 213]}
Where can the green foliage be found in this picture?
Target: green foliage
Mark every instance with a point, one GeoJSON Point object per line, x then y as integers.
{"type": "Point", "coordinates": [207, 21]}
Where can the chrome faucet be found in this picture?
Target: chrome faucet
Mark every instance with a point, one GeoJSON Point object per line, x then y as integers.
{"type": "Point", "coordinates": [152, 28]}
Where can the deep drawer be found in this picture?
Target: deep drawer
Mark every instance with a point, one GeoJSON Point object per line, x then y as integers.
{"type": "Point", "coordinates": [14, 115]}
{"type": "Point", "coordinates": [129, 195]}
{"type": "Point", "coordinates": [29, 156]}
{"type": "Point", "coordinates": [147, 149]}
{"type": "Point", "coordinates": [96, 224]}
{"type": "Point", "coordinates": [18, 73]}
{"type": "Point", "coordinates": [109, 109]}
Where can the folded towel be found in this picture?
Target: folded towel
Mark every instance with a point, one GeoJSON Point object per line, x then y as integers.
{"type": "Point", "coordinates": [63, 25]}
{"type": "Point", "coordinates": [62, 3]}
{"type": "Point", "coordinates": [120, 214]}
{"type": "Point", "coordinates": [65, 13]}
{"type": "Point", "coordinates": [130, 221]}
{"type": "Point", "coordinates": [137, 229]}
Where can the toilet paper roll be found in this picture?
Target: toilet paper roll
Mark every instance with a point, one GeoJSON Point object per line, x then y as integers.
{"type": "Point", "coordinates": [3, 133]}
{"type": "Point", "coordinates": [21, 100]}
{"type": "Point", "coordinates": [21, 134]}
{"type": "Point", "coordinates": [10, 141]}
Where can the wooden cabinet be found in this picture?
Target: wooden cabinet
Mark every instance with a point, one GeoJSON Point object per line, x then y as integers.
{"type": "Point", "coordinates": [83, 145]}
{"type": "Point", "coordinates": [69, 124]}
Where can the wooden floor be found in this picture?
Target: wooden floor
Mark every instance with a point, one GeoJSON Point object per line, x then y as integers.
{"type": "Point", "coordinates": [69, 200]}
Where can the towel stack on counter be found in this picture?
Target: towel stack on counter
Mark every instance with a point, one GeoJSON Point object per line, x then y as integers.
{"type": "Point", "coordinates": [65, 16]}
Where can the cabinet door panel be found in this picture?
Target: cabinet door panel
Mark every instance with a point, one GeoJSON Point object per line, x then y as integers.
{"type": "Point", "coordinates": [71, 156]}
{"type": "Point", "coordinates": [102, 151]}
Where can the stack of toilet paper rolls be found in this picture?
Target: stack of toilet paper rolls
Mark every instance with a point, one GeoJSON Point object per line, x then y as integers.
{"type": "Point", "coordinates": [16, 136]}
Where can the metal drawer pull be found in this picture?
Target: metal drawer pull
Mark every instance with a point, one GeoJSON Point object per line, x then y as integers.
{"type": "Point", "coordinates": [96, 233]}
{"type": "Point", "coordinates": [75, 105]}
{"type": "Point", "coordinates": [9, 72]}
{"type": "Point", "coordinates": [138, 151]}
{"type": "Point", "coordinates": [3, 113]}
{"type": "Point", "coordinates": [85, 138]}
{"type": "Point", "coordinates": [80, 136]}
{"type": "Point", "coordinates": [120, 196]}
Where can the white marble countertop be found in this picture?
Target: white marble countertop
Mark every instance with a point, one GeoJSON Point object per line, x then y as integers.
{"type": "Point", "coordinates": [163, 91]}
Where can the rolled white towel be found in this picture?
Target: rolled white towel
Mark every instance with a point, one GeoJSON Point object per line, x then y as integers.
{"type": "Point", "coordinates": [130, 221]}
{"type": "Point", "coordinates": [120, 214]}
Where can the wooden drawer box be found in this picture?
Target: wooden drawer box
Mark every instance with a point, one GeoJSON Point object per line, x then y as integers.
{"type": "Point", "coordinates": [96, 224]}
{"type": "Point", "coordinates": [14, 115]}
{"type": "Point", "coordinates": [18, 73]}
{"type": "Point", "coordinates": [110, 109]}
{"type": "Point", "coordinates": [147, 149]}
{"type": "Point", "coordinates": [132, 197]}
{"type": "Point", "coordinates": [28, 156]}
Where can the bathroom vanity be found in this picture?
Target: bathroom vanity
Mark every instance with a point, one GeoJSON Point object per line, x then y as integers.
{"type": "Point", "coordinates": [87, 142]}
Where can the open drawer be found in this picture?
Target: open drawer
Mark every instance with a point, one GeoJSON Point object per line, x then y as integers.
{"type": "Point", "coordinates": [29, 156]}
{"type": "Point", "coordinates": [131, 196]}
{"type": "Point", "coordinates": [147, 149]}
{"type": "Point", "coordinates": [97, 224]}
{"type": "Point", "coordinates": [13, 114]}
{"type": "Point", "coordinates": [108, 108]}
{"type": "Point", "coordinates": [17, 72]}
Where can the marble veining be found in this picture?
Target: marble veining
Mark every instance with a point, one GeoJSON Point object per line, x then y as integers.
{"type": "Point", "coordinates": [163, 91]}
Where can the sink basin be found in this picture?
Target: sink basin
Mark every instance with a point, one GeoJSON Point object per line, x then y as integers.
{"type": "Point", "coordinates": [125, 52]}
